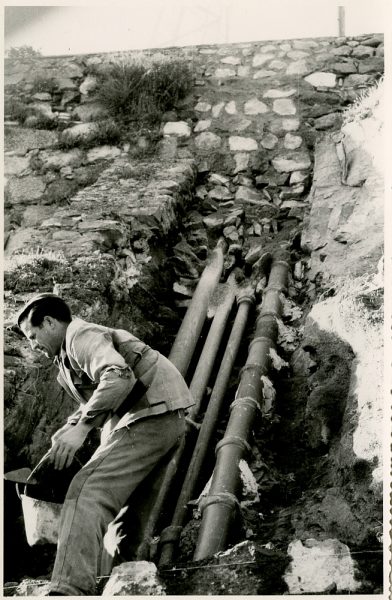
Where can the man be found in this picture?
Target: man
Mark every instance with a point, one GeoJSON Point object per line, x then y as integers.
{"type": "Point", "coordinates": [138, 398]}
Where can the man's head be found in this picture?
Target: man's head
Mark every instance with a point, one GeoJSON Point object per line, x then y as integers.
{"type": "Point", "coordinates": [44, 320]}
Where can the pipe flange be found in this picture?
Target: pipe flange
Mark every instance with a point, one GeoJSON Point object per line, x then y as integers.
{"type": "Point", "coordinates": [275, 288]}
{"type": "Point", "coordinates": [267, 313]}
{"type": "Point", "coordinates": [236, 440]}
{"type": "Point", "coordinates": [222, 498]}
{"type": "Point", "coordinates": [245, 297]}
{"type": "Point", "coordinates": [170, 534]}
{"type": "Point", "coordinates": [280, 262]}
{"type": "Point", "coordinates": [245, 401]}
{"type": "Point", "coordinates": [254, 366]}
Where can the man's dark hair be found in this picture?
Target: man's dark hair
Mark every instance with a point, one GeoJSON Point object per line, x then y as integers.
{"type": "Point", "coordinates": [45, 305]}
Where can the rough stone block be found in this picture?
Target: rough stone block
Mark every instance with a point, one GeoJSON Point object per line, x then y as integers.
{"type": "Point", "coordinates": [286, 164]}
{"type": "Point", "coordinates": [263, 73]}
{"type": "Point", "coordinates": [356, 80]}
{"type": "Point", "coordinates": [224, 73]}
{"type": "Point", "coordinates": [177, 128]}
{"type": "Point", "coordinates": [202, 125]}
{"type": "Point", "coordinates": [292, 142]}
{"type": "Point", "coordinates": [15, 165]}
{"type": "Point", "coordinates": [322, 79]}
{"type": "Point", "coordinates": [90, 111]}
{"type": "Point", "coordinates": [231, 60]}
{"type": "Point", "coordinates": [57, 159]}
{"type": "Point", "coordinates": [22, 140]}
{"type": "Point", "coordinates": [207, 141]}
{"type": "Point", "coordinates": [279, 93]}
{"type": "Point", "coordinates": [290, 124]}
{"type": "Point", "coordinates": [260, 59]}
{"type": "Point", "coordinates": [231, 108]}
{"type": "Point", "coordinates": [284, 106]}
{"type": "Point", "coordinates": [242, 144]}
{"type": "Point", "coordinates": [317, 565]}
{"type": "Point", "coordinates": [255, 107]}
{"type": "Point", "coordinates": [217, 108]}
{"type": "Point", "coordinates": [269, 141]}
{"type": "Point", "coordinates": [297, 54]}
{"type": "Point", "coordinates": [88, 85]}
{"type": "Point", "coordinates": [363, 51]}
{"type": "Point", "coordinates": [299, 67]}
{"type": "Point", "coordinates": [25, 190]}
{"type": "Point", "coordinates": [203, 107]}
{"type": "Point", "coordinates": [102, 153]}
{"type": "Point", "coordinates": [139, 578]}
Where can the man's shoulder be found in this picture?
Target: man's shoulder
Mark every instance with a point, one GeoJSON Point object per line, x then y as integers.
{"type": "Point", "coordinates": [79, 327]}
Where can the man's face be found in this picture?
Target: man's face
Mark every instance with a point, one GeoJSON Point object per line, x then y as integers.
{"type": "Point", "coordinates": [45, 338]}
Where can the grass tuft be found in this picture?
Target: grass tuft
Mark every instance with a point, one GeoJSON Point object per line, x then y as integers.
{"type": "Point", "coordinates": [368, 103]}
{"type": "Point", "coordinates": [133, 91]}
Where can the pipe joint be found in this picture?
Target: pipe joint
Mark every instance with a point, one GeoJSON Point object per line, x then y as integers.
{"type": "Point", "coordinates": [253, 366]}
{"type": "Point", "coordinates": [245, 296]}
{"type": "Point", "coordinates": [170, 534]}
{"type": "Point", "coordinates": [245, 401]}
{"type": "Point", "coordinates": [222, 498]}
{"type": "Point", "coordinates": [234, 440]}
{"type": "Point", "coordinates": [275, 288]}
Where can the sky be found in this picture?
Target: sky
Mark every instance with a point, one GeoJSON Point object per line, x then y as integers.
{"type": "Point", "coordinates": [88, 27]}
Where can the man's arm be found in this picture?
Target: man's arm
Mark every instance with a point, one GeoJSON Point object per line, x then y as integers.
{"type": "Point", "coordinates": [95, 354]}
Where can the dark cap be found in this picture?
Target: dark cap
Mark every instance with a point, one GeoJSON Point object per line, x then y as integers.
{"type": "Point", "coordinates": [32, 303]}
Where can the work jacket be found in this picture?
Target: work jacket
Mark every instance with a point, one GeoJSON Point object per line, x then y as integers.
{"type": "Point", "coordinates": [99, 366]}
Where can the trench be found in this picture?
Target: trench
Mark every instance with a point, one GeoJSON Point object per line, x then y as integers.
{"type": "Point", "coordinates": [291, 459]}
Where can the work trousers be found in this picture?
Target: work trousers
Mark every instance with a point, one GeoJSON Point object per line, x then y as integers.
{"type": "Point", "coordinates": [98, 492]}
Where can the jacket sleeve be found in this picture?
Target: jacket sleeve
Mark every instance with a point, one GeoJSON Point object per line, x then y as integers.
{"type": "Point", "coordinates": [95, 354]}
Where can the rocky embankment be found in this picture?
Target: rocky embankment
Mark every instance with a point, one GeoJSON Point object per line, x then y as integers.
{"type": "Point", "coordinates": [259, 157]}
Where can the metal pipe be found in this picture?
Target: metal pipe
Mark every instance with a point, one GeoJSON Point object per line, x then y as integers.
{"type": "Point", "coordinates": [197, 387]}
{"type": "Point", "coordinates": [181, 355]}
{"type": "Point", "coordinates": [245, 299]}
{"type": "Point", "coordinates": [211, 346]}
{"type": "Point", "coordinates": [219, 507]}
{"type": "Point", "coordinates": [192, 324]}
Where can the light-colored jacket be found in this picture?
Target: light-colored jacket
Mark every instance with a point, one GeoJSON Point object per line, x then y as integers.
{"type": "Point", "coordinates": [98, 367]}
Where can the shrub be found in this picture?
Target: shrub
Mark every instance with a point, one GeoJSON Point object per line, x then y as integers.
{"type": "Point", "coordinates": [44, 84]}
{"type": "Point", "coordinates": [134, 92]}
{"type": "Point", "coordinates": [23, 53]}
{"type": "Point", "coordinates": [16, 110]}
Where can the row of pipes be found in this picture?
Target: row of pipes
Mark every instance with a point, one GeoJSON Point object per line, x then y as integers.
{"type": "Point", "coordinates": [220, 505]}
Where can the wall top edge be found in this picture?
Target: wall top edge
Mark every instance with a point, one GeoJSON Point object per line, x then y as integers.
{"type": "Point", "coordinates": [171, 49]}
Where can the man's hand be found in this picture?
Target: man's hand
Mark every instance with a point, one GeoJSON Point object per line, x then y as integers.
{"type": "Point", "coordinates": [60, 432]}
{"type": "Point", "coordinates": [66, 441]}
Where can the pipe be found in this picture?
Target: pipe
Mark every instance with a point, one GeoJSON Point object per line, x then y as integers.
{"type": "Point", "coordinates": [192, 324]}
{"type": "Point", "coordinates": [197, 387]}
{"type": "Point", "coordinates": [221, 504]}
{"type": "Point", "coordinates": [245, 300]}
{"type": "Point", "coordinates": [180, 356]}
{"type": "Point", "coordinates": [206, 361]}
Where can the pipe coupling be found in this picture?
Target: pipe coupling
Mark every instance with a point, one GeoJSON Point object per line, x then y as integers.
{"type": "Point", "coordinates": [235, 440]}
{"type": "Point", "coordinates": [245, 296]}
{"type": "Point", "coordinates": [222, 498]}
{"type": "Point", "coordinates": [255, 367]}
{"type": "Point", "coordinates": [170, 534]}
{"type": "Point", "coordinates": [245, 401]}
